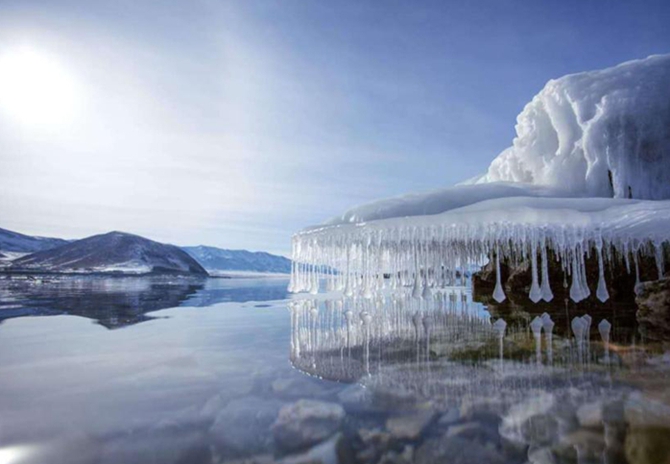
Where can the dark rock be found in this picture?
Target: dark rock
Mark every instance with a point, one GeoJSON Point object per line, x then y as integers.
{"type": "Point", "coordinates": [475, 431]}
{"type": "Point", "coordinates": [648, 445]}
{"type": "Point", "coordinates": [410, 426]}
{"type": "Point", "coordinates": [336, 450]}
{"type": "Point", "coordinates": [455, 450]}
{"type": "Point", "coordinates": [516, 280]}
{"type": "Point", "coordinates": [653, 314]}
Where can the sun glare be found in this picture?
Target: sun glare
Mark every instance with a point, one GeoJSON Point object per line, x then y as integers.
{"type": "Point", "coordinates": [35, 88]}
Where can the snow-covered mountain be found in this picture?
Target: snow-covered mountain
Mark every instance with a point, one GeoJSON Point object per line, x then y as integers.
{"type": "Point", "coordinates": [114, 253]}
{"type": "Point", "coordinates": [217, 259]}
{"type": "Point", "coordinates": [20, 243]}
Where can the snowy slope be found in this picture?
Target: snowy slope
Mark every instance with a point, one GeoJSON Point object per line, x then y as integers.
{"type": "Point", "coordinates": [13, 241]}
{"type": "Point", "coordinates": [217, 259]}
{"type": "Point", "coordinates": [600, 133]}
{"type": "Point", "coordinates": [114, 252]}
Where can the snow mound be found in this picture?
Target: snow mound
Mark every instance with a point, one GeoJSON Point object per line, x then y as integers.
{"type": "Point", "coordinates": [439, 201]}
{"type": "Point", "coordinates": [601, 133]}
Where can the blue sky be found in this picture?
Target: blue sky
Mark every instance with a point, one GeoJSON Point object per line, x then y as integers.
{"type": "Point", "coordinates": [236, 123]}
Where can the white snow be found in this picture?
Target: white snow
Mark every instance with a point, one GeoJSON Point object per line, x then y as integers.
{"type": "Point", "coordinates": [583, 125]}
{"type": "Point", "coordinates": [581, 131]}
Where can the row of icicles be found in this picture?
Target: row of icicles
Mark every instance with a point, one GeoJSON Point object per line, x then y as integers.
{"type": "Point", "coordinates": [364, 267]}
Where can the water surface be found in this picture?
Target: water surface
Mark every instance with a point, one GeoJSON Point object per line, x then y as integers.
{"type": "Point", "coordinates": [127, 370]}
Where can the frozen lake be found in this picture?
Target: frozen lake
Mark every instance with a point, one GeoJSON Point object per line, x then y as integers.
{"type": "Point", "coordinates": [133, 370]}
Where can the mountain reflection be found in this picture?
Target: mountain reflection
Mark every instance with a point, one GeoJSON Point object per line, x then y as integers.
{"type": "Point", "coordinates": [115, 302]}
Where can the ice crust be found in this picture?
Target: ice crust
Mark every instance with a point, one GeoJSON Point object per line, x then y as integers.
{"type": "Point", "coordinates": [585, 145]}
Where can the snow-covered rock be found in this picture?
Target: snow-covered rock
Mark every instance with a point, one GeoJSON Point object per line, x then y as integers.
{"type": "Point", "coordinates": [599, 133]}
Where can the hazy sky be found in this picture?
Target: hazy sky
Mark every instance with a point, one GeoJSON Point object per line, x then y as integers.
{"type": "Point", "coordinates": [236, 123]}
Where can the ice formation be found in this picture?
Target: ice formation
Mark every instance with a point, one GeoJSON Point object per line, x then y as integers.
{"type": "Point", "coordinates": [585, 145]}
{"type": "Point", "coordinates": [600, 133]}
{"type": "Point", "coordinates": [429, 252]}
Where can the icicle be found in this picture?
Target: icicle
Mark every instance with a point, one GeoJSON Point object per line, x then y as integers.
{"type": "Point", "coordinates": [604, 328]}
{"type": "Point", "coordinates": [536, 327]}
{"type": "Point", "coordinates": [498, 292]}
{"type": "Point", "coordinates": [660, 264]}
{"type": "Point", "coordinates": [535, 294]}
{"type": "Point", "coordinates": [499, 328]}
{"type": "Point", "coordinates": [547, 294]}
{"type": "Point", "coordinates": [575, 290]}
{"type": "Point", "coordinates": [637, 269]}
{"type": "Point", "coordinates": [602, 293]}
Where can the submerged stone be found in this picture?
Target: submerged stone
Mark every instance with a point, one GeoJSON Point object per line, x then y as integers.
{"type": "Point", "coordinates": [305, 423]}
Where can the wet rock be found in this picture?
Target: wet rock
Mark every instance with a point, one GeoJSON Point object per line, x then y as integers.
{"type": "Point", "coordinates": [590, 415]}
{"type": "Point", "coordinates": [449, 418]}
{"type": "Point", "coordinates": [242, 427]}
{"type": "Point", "coordinates": [356, 398]}
{"type": "Point", "coordinates": [409, 426]}
{"type": "Point", "coordinates": [475, 431]}
{"type": "Point", "coordinates": [587, 443]}
{"type": "Point", "coordinates": [406, 456]}
{"type": "Point", "coordinates": [305, 423]}
{"type": "Point", "coordinates": [455, 450]}
{"type": "Point", "coordinates": [258, 459]}
{"type": "Point", "coordinates": [531, 421]}
{"type": "Point", "coordinates": [644, 412]}
{"type": "Point", "coordinates": [653, 314]}
{"type": "Point", "coordinates": [648, 445]}
{"type": "Point", "coordinates": [299, 387]}
{"type": "Point", "coordinates": [333, 451]}
{"type": "Point", "coordinates": [375, 442]}
{"type": "Point", "coordinates": [542, 456]}
{"type": "Point", "coordinates": [393, 397]}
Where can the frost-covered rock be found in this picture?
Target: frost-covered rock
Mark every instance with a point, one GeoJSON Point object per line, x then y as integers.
{"type": "Point", "coordinates": [598, 133]}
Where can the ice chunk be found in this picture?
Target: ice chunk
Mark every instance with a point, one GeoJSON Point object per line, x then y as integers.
{"type": "Point", "coordinates": [598, 133]}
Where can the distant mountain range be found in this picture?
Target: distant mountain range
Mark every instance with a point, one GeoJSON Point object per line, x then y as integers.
{"type": "Point", "coordinates": [111, 253]}
{"type": "Point", "coordinates": [126, 254]}
{"type": "Point", "coordinates": [216, 259]}
{"type": "Point", "coordinates": [15, 242]}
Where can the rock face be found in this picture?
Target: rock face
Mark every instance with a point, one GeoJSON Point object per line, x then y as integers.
{"type": "Point", "coordinates": [13, 241]}
{"type": "Point", "coordinates": [516, 280]}
{"type": "Point", "coordinates": [306, 422]}
{"type": "Point", "coordinates": [111, 253]}
{"type": "Point", "coordinates": [653, 301]}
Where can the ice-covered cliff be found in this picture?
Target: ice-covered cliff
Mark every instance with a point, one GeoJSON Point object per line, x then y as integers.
{"type": "Point", "coordinates": [600, 133]}
{"type": "Point", "coordinates": [587, 175]}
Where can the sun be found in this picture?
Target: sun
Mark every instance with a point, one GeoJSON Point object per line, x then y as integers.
{"type": "Point", "coordinates": [35, 88]}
